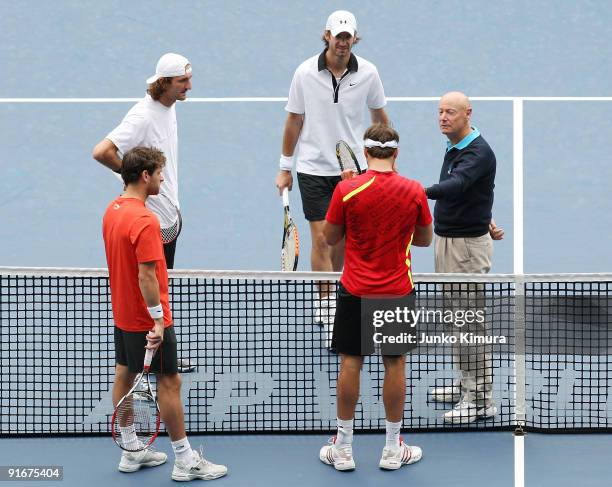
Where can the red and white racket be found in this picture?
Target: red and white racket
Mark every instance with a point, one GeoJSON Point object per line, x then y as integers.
{"type": "Point", "coordinates": [136, 419]}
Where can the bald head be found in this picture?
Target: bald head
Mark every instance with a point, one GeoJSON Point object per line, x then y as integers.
{"type": "Point", "coordinates": [457, 99]}
{"type": "Point", "coordinates": [454, 113]}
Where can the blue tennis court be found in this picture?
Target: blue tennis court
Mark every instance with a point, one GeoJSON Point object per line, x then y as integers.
{"type": "Point", "coordinates": [71, 71]}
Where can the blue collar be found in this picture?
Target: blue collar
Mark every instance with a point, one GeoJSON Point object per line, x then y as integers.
{"type": "Point", "coordinates": [463, 143]}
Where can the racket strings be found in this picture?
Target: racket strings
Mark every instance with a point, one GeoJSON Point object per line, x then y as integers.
{"type": "Point", "coordinates": [171, 233]}
{"type": "Point", "coordinates": [346, 159]}
{"type": "Point", "coordinates": [137, 414]}
{"type": "Point", "coordinates": [290, 250]}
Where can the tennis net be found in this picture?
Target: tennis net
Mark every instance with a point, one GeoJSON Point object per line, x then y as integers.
{"type": "Point", "coordinates": [262, 365]}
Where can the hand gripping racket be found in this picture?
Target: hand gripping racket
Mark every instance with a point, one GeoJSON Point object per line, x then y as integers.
{"type": "Point", "coordinates": [137, 412]}
{"type": "Point", "coordinates": [290, 249]}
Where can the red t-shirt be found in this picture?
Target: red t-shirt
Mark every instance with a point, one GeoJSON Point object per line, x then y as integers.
{"type": "Point", "coordinates": [379, 211]}
{"type": "Point", "coordinates": [132, 236]}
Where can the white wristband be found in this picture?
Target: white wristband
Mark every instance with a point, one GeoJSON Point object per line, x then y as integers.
{"type": "Point", "coordinates": [156, 312]}
{"type": "Point", "coordinates": [286, 162]}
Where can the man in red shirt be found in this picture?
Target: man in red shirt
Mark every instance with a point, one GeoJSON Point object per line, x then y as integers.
{"type": "Point", "coordinates": [141, 310]}
{"type": "Point", "coordinates": [381, 215]}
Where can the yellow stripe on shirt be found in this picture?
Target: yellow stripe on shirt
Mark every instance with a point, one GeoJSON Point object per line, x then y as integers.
{"type": "Point", "coordinates": [408, 263]}
{"type": "Point", "coordinates": [358, 190]}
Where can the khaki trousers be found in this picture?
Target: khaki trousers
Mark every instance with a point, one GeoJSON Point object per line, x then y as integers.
{"type": "Point", "coordinates": [470, 255]}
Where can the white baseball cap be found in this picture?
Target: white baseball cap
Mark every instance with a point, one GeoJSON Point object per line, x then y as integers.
{"type": "Point", "coordinates": [170, 65]}
{"type": "Point", "coordinates": [341, 21]}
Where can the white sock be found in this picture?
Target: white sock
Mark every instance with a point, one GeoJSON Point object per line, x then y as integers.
{"type": "Point", "coordinates": [128, 436]}
{"type": "Point", "coordinates": [183, 452]}
{"type": "Point", "coordinates": [393, 434]}
{"type": "Point", "coordinates": [345, 432]}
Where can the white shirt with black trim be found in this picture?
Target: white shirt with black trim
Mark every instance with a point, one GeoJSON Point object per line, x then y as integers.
{"type": "Point", "coordinates": [150, 123]}
{"type": "Point", "coordinates": [333, 110]}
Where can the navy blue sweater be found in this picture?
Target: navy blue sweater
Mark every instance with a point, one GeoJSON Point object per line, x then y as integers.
{"type": "Point", "coordinates": [465, 192]}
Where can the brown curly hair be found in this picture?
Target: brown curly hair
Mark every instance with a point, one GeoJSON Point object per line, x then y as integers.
{"type": "Point", "coordinates": [140, 159]}
{"type": "Point", "coordinates": [157, 88]}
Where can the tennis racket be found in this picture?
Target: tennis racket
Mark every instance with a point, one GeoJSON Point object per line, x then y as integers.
{"type": "Point", "coordinates": [171, 233]}
{"type": "Point", "coordinates": [346, 158]}
{"type": "Point", "coordinates": [290, 250]}
{"type": "Point", "coordinates": [137, 412]}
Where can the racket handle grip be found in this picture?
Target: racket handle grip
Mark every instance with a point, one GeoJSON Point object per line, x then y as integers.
{"type": "Point", "coordinates": [285, 197]}
{"type": "Point", "coordinates": [148, 359]}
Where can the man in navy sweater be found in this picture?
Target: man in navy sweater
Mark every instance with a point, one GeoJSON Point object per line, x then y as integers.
{"type": "Point", "coordinates": [464, 230]}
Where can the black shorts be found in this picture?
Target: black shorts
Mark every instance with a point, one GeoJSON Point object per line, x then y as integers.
{"type": "Point", "coordinates": [130, 351]}
{"type": "Point", "coordinates": [169, 251]}
{"type": "Point", "coordinates": [366, 325]}
{"type": "Point", "coordinates": [316, 193]}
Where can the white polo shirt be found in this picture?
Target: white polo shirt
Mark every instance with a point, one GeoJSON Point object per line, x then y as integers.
{"type": "Point", "coordinates": [333, 110]}
{"type": "Point", "coordinates": [150, 123]}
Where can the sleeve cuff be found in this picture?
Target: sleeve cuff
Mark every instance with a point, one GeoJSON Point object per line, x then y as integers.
{"type": "Point", "coordinates": [433, 192]}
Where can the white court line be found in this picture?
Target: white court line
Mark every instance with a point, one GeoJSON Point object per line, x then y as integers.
{"type": "Point", "coordinates": [264, 99]}
{"type": "Point", "coordinates": [519, 356]}
{"type": "Point", "coordinates": [133, 100]}
{"type": "Point", "coordinates": [519, 461]}
{"type": "Point", "coordinates": [506, 98]}
{"type": "Point", "coordinates": [517, 167]}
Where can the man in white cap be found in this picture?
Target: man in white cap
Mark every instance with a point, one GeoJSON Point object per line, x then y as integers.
{"type": "Point", "coordinates": [327, 98]}
{"type": "Point", "coordinates": [152, 123]}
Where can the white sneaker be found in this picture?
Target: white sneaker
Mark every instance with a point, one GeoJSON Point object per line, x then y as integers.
{"type": "Point", "coordinates": [184, 366]}
{"type": "Point", "coordinates": [466, 412]}
{"type": "Point", "coordinates": [394, 458]}
{"type": "Point", "coordinates": [446, 394]}
{"type": "Point", "coordinates": [133, 461]}
{"type": "Point", "coordinates": [341, 457]}
{"type": "Point", "coordinates": [203, 469]}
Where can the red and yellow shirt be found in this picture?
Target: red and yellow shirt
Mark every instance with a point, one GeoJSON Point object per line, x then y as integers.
{"type": "Point", "coordinates": [379, 211]}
